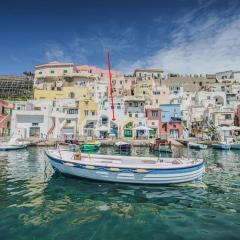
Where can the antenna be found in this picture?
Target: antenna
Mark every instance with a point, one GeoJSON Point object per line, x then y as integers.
{"type": "Point", "coordinates": [110, 89]}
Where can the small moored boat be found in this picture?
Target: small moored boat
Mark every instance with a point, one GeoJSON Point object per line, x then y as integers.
{"type": "Point", "coordinates": [235, 146]}
{"type": "Point", "coordinates": [198, 146]}
{"type": "Point", "coordinates": [90, 146]}
{"type": "Point", "coordinates": [221, 146]}
{"type": "Point", "coordinates": [161, 145]}
{"type": "Point", "coordinates": [123, 146]}
{"type": "Point", "coordinates": [127, 169]}
{"type": "Point", "coordinates": [13, 144]}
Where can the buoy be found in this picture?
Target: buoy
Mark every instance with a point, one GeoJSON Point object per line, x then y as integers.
{"type": "Point", "coordinates": [90, 167]}
{"type": "Point", "coordinates": [114, 169]}
{"type": "Point", "coordinates": [140, 170]}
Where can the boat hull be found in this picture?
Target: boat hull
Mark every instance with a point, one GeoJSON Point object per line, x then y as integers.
{"type": "Point", "coordinates": [221, 146]}
{"type": "Point", "coordinates": [165, 149]}
{"type": "Point", "coordinates": [152, 176]}
{"type": "Point", "coordinates": [89, 147]}
{"type": "Point", "coordinates": [235, 146]}
{"type": "Point", "coordinates": [126, 147]}
{"type": "Point", "coordinates": [12, 147]}
{"type": "Point", "coordinates": [197, 146]}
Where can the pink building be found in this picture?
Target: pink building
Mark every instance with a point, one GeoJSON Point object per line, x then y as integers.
{"type": "Point", "coordinates": [98, 71]}
{"type": "Point", "coordinates": [5, 117]}
{"type": "Point", "coordinates": [118, 81]}
{"type": "Point", "coordinates": [173, 129]}
{"type": "Point", "coordinates": [154, 121]}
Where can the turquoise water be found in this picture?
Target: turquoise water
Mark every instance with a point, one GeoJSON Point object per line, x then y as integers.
{"type": "Point", "coordinates": [36, 203]}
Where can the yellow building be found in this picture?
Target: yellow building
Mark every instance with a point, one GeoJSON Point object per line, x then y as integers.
{"type": "Point", "coordinates": [65, 92]}
{"type": "Point", "coordinates": [153, 93]}
{"type": "Point", "coordinates": [88, 110]}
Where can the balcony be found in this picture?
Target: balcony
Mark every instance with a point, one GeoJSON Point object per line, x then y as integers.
{"type": "Point", "coordinates": [175, 119]}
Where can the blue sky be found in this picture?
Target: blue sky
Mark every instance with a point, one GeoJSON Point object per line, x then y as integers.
{"type": "Point", "coordinates": [183, 36]}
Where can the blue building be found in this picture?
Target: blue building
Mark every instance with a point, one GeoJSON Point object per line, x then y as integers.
{"type": "Point", "coordinates": [170, 112]}
{"type": "Point", "coordinates": [171, 120]}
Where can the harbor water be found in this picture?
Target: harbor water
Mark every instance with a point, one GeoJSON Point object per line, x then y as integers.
{"type": "Point", "coordinates": [38, 203]}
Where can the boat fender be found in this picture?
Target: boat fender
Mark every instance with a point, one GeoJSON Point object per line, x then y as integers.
{"type": "Point", "coordinates": [114, 169]}
{"type": "Point", "coordinates": [140, 170]}
{"type": "Point", "coordinates": [90, 167]}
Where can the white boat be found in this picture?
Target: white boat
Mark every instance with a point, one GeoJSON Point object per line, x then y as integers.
{"type": "Point", "coordinates": [222, 146]}
{"type": "Point", "coordinates": [13, 144]}
{"type": "Point", "coordinates": [235, 146]}
{"type": "Point", "coordinates": [199, 146]}
{"type": "Point", "coordinates": [127, 169]}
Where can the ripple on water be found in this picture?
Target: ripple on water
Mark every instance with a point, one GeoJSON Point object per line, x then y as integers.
{"type": "Point", "coordinates": [35, 203]}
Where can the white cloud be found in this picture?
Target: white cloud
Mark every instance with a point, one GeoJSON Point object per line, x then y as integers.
{"type": "Point", "coordinates": [202, 42]}
{"type": "Point", "coordinates": [54, 53]}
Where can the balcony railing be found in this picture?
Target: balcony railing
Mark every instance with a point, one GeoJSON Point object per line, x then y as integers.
{"type": "Point", "coordinates": [175, 119]}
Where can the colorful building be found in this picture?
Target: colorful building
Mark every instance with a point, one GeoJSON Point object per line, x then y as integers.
{"type": "Point", "coordinates": [64, 93]}
{"type": "Point", "coordinates": [171, 120]}
{"type": "Point", "coordinates": [154, 121]}
{"type": "Point", "coordinates": [88, 117]}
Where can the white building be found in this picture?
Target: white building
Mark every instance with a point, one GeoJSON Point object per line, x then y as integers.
{"type": "Point", "coordinates": [46, 119]}
{"type": "Point", "coordinates": [31, 119]}
{"type": "Point", "coordinates": [228, 77]}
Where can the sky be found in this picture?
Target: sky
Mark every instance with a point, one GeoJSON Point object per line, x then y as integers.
{"type": "Point", "coordinates": [178, 36]}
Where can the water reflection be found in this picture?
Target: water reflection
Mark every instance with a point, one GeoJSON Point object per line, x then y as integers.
{"type": "Point", "coordinates": [34, 200]}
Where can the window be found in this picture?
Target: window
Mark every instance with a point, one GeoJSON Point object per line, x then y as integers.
{"type": "Point", "coordinates": [34, 124]}
{"type": "Point", "coordinates": [52, 71]}
{"type": "Point", "coordinates": [65, 71]}
{"type": "Point", "coordinates": [86, 113]}
{"type": "Point", "coordinates": [68, 121]}
{"type": "Point", "coordinates": [135, 104]}
{"type": "Point", "coordinates": [144, 92]}
{"type": "Point", "coordinates": [120, 82]}
{"type": "Point", "coordinates": [126, 81]}
{"type": "Point", "coordinates": [154, 113]}
{"type": "Point", "coordinates": [208, 97]}
{"type": "Point", "coordinates": [130, 104]}
{"type": "Point", "coordinates": [40, 73]}
{"type": "Point", "coordinates": [228, 116]}
{"type": "Point", "coordinates": [153, 123]}
{"type": "Point", "coordinates": [93, 113]}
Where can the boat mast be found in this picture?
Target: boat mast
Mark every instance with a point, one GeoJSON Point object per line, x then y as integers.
{"type": "Point", "coordinates": [110, 87]}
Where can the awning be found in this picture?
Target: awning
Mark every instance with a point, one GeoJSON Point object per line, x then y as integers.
{"type": "Point", "coordinates": [142, 128]}
{"type": "Point", "coordinates": [102, 129]}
